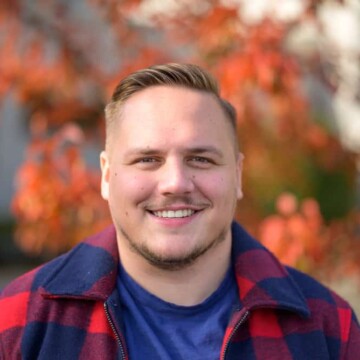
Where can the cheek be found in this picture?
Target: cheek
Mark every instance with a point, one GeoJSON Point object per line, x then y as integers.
{"type": "Point", "coordinates": [212, 187]}
{"type": "Point", "coordinates": [217, 187]}
{"type": "Point", "coordinates": [127, 189]}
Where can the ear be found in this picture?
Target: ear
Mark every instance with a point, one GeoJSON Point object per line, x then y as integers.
{"type": "Point", "coordinates": [239, 169]}
{"type": "Point", "coordinates": [105, 174]}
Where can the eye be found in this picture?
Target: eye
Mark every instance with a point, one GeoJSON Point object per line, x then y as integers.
{"type": "Point", "coordinates": [147, 160]}
{"type": "Point", "coordinates": [201, 161]}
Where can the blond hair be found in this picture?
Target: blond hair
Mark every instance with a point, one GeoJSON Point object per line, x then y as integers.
{"type": "Point", "coordinates": [172, 74]}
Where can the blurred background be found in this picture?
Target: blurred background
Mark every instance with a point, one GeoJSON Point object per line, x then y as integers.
{"type": "Point", "coordinates": [290, 67]}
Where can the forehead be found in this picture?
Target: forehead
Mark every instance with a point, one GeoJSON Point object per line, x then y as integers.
{"type": "Point", "coordinates": [161, 97]}
{"type": "Point", "coordinates": [170, 111]}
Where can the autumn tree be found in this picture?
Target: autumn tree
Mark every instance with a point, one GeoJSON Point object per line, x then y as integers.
{"type": "Point", "coordinates": [57, 61]}
{"type": "Point", "coordinates": [299, 181]}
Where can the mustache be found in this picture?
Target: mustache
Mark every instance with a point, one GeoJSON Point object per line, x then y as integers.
{"type": "Point", "coordinates": [175, 201]}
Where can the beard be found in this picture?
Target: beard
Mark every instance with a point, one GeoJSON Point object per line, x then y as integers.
{"type": "Point", "coordinates": [172, 263]}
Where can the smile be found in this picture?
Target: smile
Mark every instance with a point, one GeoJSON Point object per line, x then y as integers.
{"type": "Point", "coordinates": [174, 213]}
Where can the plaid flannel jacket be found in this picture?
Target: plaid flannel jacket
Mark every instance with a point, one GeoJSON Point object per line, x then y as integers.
{"type": "Point", "coordinates": [69, 309]}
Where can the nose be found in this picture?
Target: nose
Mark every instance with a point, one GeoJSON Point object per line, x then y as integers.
{"type": "Point", "coordinates": [175, 178]}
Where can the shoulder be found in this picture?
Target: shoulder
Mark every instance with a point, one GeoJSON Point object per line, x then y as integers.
{"type": "Point", "coordinates": [24, 292]}
{"type": "Point", "coordinates": [71, 273]}
{"type": "Point", "coordinates": [101, 246]}
{"type": "Point", "coordinates": [15, 301]}
{"type": "Point", "coordinates": [314, 291]}
{"type": "Point", "coordinates": [328, 309]}
{"type": "Point", "coordinates": [15, 297]}
{"type": "Point", "coordinates": [20, 288]}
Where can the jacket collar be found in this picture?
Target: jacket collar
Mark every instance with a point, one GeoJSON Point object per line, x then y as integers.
{"type": "Point", "coordinates": [262, 280]}
{"type": "Point", "coordinates": [89, 272]}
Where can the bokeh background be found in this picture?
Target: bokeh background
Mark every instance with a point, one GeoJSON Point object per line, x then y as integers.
{"type": "Point", "coordinates": [290, 67]}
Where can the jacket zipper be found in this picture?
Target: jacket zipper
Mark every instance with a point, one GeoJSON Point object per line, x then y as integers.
{"type": "Point", "coordinates": [236, 327]}
{"type": "Point", "coordinates": [115, 332]}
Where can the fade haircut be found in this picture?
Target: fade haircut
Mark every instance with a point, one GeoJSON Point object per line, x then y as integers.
{"type": "Point", "coordinates": [173, 74]}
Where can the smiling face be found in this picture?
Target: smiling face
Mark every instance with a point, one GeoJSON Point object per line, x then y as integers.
{"type": "Point", "coordinates": [171, 176]}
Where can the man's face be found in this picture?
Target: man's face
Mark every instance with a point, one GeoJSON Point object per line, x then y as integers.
{"type": "Point", "coordinates": [171, 175]}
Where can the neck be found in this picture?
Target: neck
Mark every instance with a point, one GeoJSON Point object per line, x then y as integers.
{"type": "Point", "coordinates": [188, 286]}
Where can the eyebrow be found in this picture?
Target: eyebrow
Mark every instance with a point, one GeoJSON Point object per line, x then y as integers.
{"type": "Point", "coordinates": [206, 149]}
{"type": "Point", "coordinates": [192, 150]}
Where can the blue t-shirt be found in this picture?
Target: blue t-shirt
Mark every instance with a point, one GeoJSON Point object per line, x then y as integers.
{"type": "Point", "coordinates": [156, 329]}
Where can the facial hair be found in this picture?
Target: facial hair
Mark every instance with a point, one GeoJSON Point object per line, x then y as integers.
{"type": "Point", "coordinates": [172, 263]}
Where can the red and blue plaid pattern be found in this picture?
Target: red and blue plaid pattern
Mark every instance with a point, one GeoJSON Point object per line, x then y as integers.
{"type": "Point", "coordinates": [69, 309]}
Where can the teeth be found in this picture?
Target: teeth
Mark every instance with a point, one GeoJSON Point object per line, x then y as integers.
{"type": "Point", "coordinates": [174, 214]}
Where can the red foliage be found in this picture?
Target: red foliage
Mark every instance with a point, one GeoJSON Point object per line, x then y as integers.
{"type": "Point", "coordinates": [299, 236]}
{"type": "Point", "coordinates": [57, 194]}
{"type": "Point", "coordinates": [294, 234]}
{"type": "Point", "coordinates": [285, 148]}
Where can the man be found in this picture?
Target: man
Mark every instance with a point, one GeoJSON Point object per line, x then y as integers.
{"type": "Point", "coordinates": [174, 278]}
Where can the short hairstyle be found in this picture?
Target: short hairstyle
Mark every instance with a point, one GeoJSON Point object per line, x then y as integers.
{"type": "Point", "coordinates": [172, 74]}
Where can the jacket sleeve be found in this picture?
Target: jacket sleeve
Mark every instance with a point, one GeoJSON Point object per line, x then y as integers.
{"type": "Point", "coordinates": [353, 343]}
{"type": "Point", "coordinates": [14, 301]}
{"type": "Point", "coordinates": [12, 321]}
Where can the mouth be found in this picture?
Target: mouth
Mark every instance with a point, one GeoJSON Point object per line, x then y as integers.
{"type": "Point", "coordinates": [174, 214]}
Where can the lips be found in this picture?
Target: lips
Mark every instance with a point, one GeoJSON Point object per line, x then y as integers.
{"type": "Point", "coordinates": [170, 214]}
